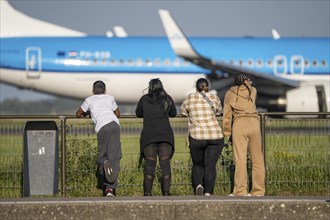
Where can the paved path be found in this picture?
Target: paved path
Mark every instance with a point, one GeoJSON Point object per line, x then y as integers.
{"type": "Point", "coordinates": [172, 207]}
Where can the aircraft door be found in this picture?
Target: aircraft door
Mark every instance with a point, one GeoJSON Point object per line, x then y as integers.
{"type": "Point", "coordinates": [297, 65]}
{"type": "Point", "coordinates": [280, 65]}
{"type": "Point", "coordinates": [33, 62]}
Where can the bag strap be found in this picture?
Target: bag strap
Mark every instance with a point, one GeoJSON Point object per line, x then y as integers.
{"type": "Point", "coordinates": [209, 101]}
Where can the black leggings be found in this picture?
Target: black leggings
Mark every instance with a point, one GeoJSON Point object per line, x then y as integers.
{"type": "Point", "coordinates": [164, 152]}
{"type": "Point", "coordinates": [204, 155]}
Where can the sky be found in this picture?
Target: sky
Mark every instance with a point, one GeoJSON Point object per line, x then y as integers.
{"type": "Point", "coordinates": [232, 18]}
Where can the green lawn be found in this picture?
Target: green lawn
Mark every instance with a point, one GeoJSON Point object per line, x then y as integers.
{"type": "Point", "coordinates": [297, 160]}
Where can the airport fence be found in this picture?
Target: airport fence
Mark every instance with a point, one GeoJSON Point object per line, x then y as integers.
{"type": "Point", "coordinates": [296, 148]}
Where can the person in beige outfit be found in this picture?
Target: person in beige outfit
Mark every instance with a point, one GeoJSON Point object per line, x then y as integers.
{"type": "Point", "coordinates": [241, 122]}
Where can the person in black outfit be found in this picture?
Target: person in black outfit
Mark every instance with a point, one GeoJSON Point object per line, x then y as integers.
{"type": "Point", "coordinates": [157, 135]}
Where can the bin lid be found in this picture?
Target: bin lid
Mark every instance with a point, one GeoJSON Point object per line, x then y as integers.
{"type": "Point", "coordinates": [40, 125]}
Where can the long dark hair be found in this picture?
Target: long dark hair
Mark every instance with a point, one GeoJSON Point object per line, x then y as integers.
{"type": "Point", "coordinates": [239, 80]}
{"type": "Point", "coordinates": [156, 90]}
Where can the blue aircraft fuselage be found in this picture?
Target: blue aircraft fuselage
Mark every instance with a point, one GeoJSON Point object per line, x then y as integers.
{"type": "Point", "coordinates": [154, 54]}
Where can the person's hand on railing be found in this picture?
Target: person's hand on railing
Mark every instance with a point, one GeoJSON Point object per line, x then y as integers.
{"type": "Point", "coordinates": [87, 114]}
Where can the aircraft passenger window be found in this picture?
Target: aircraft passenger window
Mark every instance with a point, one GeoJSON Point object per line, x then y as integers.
{"type": "Point", "coordinates": [269, 63]}
{"type": "Point", "coordinates": [280, 63]}
{"type": "Point", "coordinates": [306, 63]}
{"type": "Point", "coordinates": [315, 63]}
{"type": "Point", "coordinates": [259, 63]}
{"type": "Point", "coordinates": [104, 61]}
{"type": "Point", "coordinates": [176, 62]}
{"type": "Point", "coordinates": [122, 62]}
{"type": "Point", "coordinates": [130, 62]}
{"type": "Point", "coordinates": [167, 62]}
{"type": "Point", "coordinates": [324, 63]}
{"type": "Point", "coordinates": [139, 62]}
{"type": "Point", "coordinates": [95, 61]}
{"type": "Point", "coordinates": [250, 63]}
{"type": "Point", "coordinates": [157, 62]}
{"type": "Point", "coordinates": [240, 62]}
{"type": "Point", "coordinates": [113, 62]}
{"type": "Point", "coordinates": [148, 62]}
{"type": "Point", "coordinates": [232, 62]}
{"type": "Point", "coordinates": [297, 63]}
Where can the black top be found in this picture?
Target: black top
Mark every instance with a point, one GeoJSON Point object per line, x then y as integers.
{"type": "Point", "coordinates": [156, 125]}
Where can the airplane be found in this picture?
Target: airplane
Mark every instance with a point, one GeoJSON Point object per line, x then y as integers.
{"type": "Point", "coordinates": [290, 74]}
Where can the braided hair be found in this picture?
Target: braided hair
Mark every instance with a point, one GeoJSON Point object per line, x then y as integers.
{"type": "Point", "coordinates": [239, 80]}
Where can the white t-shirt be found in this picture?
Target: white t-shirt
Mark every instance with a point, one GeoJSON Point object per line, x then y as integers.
{"type": "Point", "coordinates": [102, 109]}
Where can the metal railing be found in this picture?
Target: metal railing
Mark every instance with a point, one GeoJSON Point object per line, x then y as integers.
{"type": "Point", "coordinates": [296, 148]}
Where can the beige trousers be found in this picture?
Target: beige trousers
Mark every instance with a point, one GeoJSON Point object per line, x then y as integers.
{"type": "Point", "coordinates": [247, 139]}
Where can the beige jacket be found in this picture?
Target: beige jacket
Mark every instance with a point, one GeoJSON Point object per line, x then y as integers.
{"type": "Point", "coordinates": [238, 105]}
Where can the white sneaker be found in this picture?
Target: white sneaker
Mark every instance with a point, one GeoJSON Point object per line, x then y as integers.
{"type": "Point", "coordinates": [231, 194]}
{"type": "Point", "coordinates": [199, 190]}
{"type": "Point", "coordinates": [207, 194]}
{"type": "Point", "coordinates": [248, 194]}
{"type": "Point", "coordinates": [109, 192]}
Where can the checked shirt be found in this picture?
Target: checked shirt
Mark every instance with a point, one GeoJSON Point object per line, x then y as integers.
{"type": "Point", "coordinates": [203, 124]}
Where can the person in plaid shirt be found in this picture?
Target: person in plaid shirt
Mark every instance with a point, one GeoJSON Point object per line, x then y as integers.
{"type": "Point", "coordinates": [205, 136]}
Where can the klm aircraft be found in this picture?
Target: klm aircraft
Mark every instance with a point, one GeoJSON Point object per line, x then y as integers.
{"type": "Point", "coordinates": [291, 74]}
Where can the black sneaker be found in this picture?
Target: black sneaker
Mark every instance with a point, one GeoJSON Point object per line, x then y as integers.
{"type": "Point", "coordinates": [109, 174]}
{"type": "Point", "coordinates": [199, 190]}
{"type": "Point", "coordinates": [109, 192]}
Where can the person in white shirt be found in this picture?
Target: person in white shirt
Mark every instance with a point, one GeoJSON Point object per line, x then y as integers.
{"type": "Point", "coordinates": [104, 113]}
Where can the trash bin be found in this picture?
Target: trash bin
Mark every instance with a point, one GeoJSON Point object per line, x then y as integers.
{"type": "Point", "coordinates": [40, 168]}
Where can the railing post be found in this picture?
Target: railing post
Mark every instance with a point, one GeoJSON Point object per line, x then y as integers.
{"type": "Point", "coordinates": [63, 154]}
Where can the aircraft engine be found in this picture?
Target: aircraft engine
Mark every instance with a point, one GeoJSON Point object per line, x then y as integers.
{"type": "Point", "coordinates": [309, 98]}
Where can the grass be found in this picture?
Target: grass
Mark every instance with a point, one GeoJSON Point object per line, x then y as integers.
{"type": "Point", "coordinates": [297, 160]}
